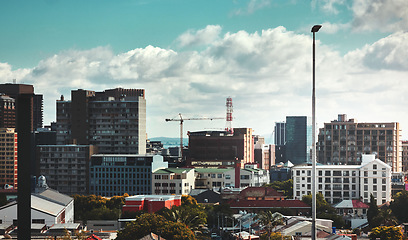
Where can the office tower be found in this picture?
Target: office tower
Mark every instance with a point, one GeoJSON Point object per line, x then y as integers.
{"type": "Point", "coordinates": [66, 167]}
{"type": "Point", "coordinates": [404, 156]}
{"type": "Point", "coordinates": [344, 141]}
{"type": "Point", "coordinates": [280, 137]}
{"type": "Point", "coordinates": [7, 112]}
{"type": "Point", "coordinates": [298, 134]}
{"type": "Point", "coordinates": [8, 157]}
{"type": "Point", "coordinates": [114, 120]}
{"type": "Point", "coordinates": [14, 90]}
{"type": "Point", "coordinates": [220, 148]}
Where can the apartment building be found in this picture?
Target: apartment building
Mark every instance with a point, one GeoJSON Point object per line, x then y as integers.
{"type": "Point", "coordinates": [404, 154]}
{"type": "Point", "coordinates": [8, 158]}
{"type": "Point", "coordinates": [346, 182]}
{"type": "Point", "coordinates": [117, 174]}
{"type": "Point", "coordinates": [173, 181]}
{"type": "Point", "coordinates": [344, 141]}
{"type": "Point", "coordinates": [66, 167]}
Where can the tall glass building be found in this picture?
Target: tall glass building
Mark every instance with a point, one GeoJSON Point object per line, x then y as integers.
{"type": "Point", "coordinates": [298, 139]}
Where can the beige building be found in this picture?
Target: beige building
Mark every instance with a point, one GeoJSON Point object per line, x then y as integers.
{"type": "Point", "coordinates": [404, 156]}
{"type": "Point", "coordinates": [344, 141]}
{"type": "Point", "coordinates": [173, 181]}
{"type": "Point", "coordinates": [8, 157]}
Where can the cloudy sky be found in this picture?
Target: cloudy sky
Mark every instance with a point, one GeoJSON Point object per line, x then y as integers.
{"type": "Point", "coordinates": [191, 55]}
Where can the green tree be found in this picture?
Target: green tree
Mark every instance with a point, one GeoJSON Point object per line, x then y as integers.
{"type": "Point", "coordinates": [400, 206]}
{"type": "Point", "coordinates": [372, 213]}
{"type": "Point", "coordinates": [214, 212]}
{"type": "Point", "coordinates": [153, 223]}
{"type": "Point", "coordinates": [286, 187]}
{"type": "Point", "coordinates": [188, 200]}
{"type": "Point", "coordinates": [269, 219]}
{"type": "Point", "coordinates": [193, 216]}
{"type": "Point", "coordinates": [274, 236]}
{"type": "Point", "coordinates": [386, 233]}
{"type": "Point", "coordinates": [324, 209]}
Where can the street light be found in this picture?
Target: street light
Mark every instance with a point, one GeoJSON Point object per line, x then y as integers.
{"type": "Point", "coordinates": [315, 29]}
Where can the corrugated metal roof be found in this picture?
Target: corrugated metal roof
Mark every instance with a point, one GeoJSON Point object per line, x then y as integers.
{"type": "Point", "coordinates": [212, 170]}
{"type": "Point", "coordinates": [55, 196]}
{"type": "Point", "coordinates": [46, 206]}
{"type": "Point", "coordinates": [172, 170]}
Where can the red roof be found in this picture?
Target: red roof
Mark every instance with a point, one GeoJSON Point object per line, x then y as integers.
{"type": "Point", "coordinates": [93, 237]}
{"type": "Point", "coordinates": [268, 204]}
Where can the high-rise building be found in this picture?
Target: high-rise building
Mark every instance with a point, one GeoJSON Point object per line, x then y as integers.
{"type": "Point", "coordinates": [14, 90]}
{"type": "Point", "coordinates": [221, 148]}
{"type": "Point", "coordinates": [344, 141]}
{"type": "Point", "coordinates": [114, 120]}
{"type": "Point", "coordinates": [7, 112]}
{"type": "Point", "coordinates": [8, 157]}
{"type": "Point", "coordinates": [404, 156]}
{"type": "Point", "coordinates": [298, 134]}
{"type": "Point", "coordinates": [280, 137]}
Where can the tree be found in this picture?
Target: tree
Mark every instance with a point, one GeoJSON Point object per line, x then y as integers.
{"type": "Point", "coordinates": [269, 219]}
{"type": "Point", "coordinates": [372, 213]}
{"type": "Point", "coordinates": [386, 233]}
{"type": "Point", "coordinates": [324, 209]}
{"type": "Point", "coordinates": [193, 216]}
{"type": "Point", "coordinates": [400, 206]}
{"type": "Point", "coordinates": [285, 186]}
{"type": "Point", "coordinates": [154, 223]}
{"type": "Point", "coordinates": [274, 236]}
{"type": "Point", "coordinates": [188, 200]}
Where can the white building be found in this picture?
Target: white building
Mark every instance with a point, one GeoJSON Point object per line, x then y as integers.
{"type": "Point", "coordinates": [343, 182]}
{"type": "Point", "coordinates": [252, 176]}
{"type": "Point", "coordinates": [173, 181]}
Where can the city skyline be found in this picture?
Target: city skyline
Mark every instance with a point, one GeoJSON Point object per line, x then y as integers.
{"type": "Point", "coordinates": [191, 56]}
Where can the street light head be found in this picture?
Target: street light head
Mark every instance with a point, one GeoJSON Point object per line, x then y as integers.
{"type": "Point", "coordinates": [316, 28]}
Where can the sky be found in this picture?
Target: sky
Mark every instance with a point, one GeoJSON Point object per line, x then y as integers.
{"type": "Point", "coordinates": [190, 55]}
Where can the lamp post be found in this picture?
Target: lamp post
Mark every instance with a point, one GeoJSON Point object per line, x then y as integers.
{"type": "Point", "coordinates": [315, 29]}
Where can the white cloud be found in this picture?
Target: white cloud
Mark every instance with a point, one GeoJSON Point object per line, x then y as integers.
{"type": "Point", "coordinates": [268, 75]}
{"type": "Point", "coordinates": [328, 6]}
{"type": "Point", "coordinates": [382, 15]}
{"type": "Point", "coordinates": [253, 6]}
{"type": "Point", "coordinates": [201, 37]}
{"type": "Point", "coordinates": [332, 28]}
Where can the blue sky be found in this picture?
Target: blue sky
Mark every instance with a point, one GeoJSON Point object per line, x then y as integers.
{"type": "Point", "coordinates": [191, 55]}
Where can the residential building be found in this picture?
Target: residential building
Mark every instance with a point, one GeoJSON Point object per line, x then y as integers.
{"type": "Point", "coordinates": [214, 178]}
{"type": "Point", "coordinates": [117, 174]}
{"type": "Point", "coordinates": [150, 203]}
{"type": "Point", "coordinates": [252, 176]}
{"type": "Point", "coordinates": [7, 112]}
{"type": "Point", "coordinates": [344, 141]}
{"type": "Point", "coordinates": [114, 120]}
{"type": "Point", "coordinates": [404, 145]}
{"type": "Point", "coordinates": [220, 148]}
{"type": "Point", "coordinates": [298, 133]}
{"type": "Point", "coordinates": [264, 155]}
{"type": "Point", "coordinates": [8, 158]}
{"type": "Point", "coordinates": [66, 167]}
{"type": "Point", "coordinates": [346, 182]}
{"type": "Point", "coordinates": [173, 181]}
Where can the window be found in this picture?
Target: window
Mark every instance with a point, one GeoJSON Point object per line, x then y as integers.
{"type": "Point", "coordinates": [327, 173]}
{"type": "Point", "coordinates": [384, 181]}
{"type": "Point", "coordinates": [374, 181]}
{"type": "Point", "coordinates": [320, 173]}
{"type": "Point", "coordinates": [219, 175]}
{"type": "Point", "coordinates": [375, 188]}
{"type": "Point", "coordinates": [375, 172]}
{"type": "Point", "coordinates": [229, 176]}
{"type": "Point", "coordinates": [309, 173]}
{"type": "Point", "coordinates": [365, 187]}
{"type": "Point", "coordinates": [244, 176]}
{"type": "Point", "coordinates": [374, 166]}
{"type": "Point", "coordinates": [308, 179]}
{"type": "Point", "coordinates": [213, 175]}
{"type": "Point", "coordinates": [365, 174]}
{"type": "Point", "coordinates": [384, 188]}
{"type": "Point", "coordinates": [366, 180]}
{"type": "Point", "coordinates": [298, 180]}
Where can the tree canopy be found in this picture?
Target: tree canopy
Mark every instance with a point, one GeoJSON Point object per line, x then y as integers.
{"type": "Point", "coordinates": [92, 207]}
{"type": "Point", "coordinates": [400, 206]}
{"type": "Point", "coordinates": [386, 233]}
{"type": "Point", "coordinates": [324, 209]}
{"type": "Point", "coordinates": [286, 187]}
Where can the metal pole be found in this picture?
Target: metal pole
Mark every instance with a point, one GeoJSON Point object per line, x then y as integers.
{"type": "Point", "coordinates": [314, 232]}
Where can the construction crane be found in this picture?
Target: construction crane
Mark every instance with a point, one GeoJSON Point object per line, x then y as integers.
{"type": "Point", "coordinates": [181, 120]}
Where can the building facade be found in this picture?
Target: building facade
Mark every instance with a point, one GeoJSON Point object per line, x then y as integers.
{"type": "Point", "coordinates": [114, 120]}
{"type": "Point", "coordinates": [346, 182]}
{"type": "Point", "coordinates": [66, 167]}
{"type": "Point", "coordinates": [173, 181]}
{"type": "Point", "coordinates": [117, 174]}
{"type": "Point", "coordinates": [220, 148]}
{"type": "Point", "coordinates": [404, 145]}
{"type": "Point", "coordinates": [344, 141]}
{"type": "Point", "coordinates": [7, 112]}
{"type": "Point", "coordinates": [8, 158]}
{"type": "Point", "coordinates": [298, 134]}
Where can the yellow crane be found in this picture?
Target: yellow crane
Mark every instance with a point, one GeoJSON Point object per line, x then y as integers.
{"type": "Point", "coordinates": [181, 120]}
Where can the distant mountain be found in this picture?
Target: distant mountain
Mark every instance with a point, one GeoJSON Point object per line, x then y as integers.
{"type": "Point", "coordinates": [170, 142]}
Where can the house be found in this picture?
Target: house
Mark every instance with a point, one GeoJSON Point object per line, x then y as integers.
{"type": "Point", "coordinates": [150, 203]}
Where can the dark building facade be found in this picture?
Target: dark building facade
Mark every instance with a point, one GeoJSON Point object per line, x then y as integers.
{"type": "Point", "coordinates": [298, 134]}
{"type": "Point", "coordinates": [7, 112]}
{"type": "Point", "coordinates": [114, 120]}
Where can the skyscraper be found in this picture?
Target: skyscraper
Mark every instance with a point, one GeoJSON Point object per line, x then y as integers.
{"type": "Point", "coordinates": [114, 120]}
{"type": "Point", "coordinates": [298, 134]}
{"type": "Point", "coordinates": [344, 141]}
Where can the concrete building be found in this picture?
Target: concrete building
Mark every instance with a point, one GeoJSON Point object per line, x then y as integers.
{"type": "Point", "coordinates": [114, 120]}
{"type": "Point", "coordinates": [280, 136]}
{"type": "Point", "coordinates": [7, 112]}
{"type": "Point", "coordinates": [344, 141]}
{"type": "Point", "coordinates": [298, 144]}
{"type": "Point", "coordinates": [117, 174]}
{"type": "Point", "coordinates": [8, 158]}
{"type": "Point", "coordinates": [221, 148]}
{"type": "Point", "coordinates": [404, 154]}
{"type": "Point", "coordinates": [173, 181]}
{"type": "Point", "coordinates": [264, 155]}
{"type": "Point", "coordinates": [252, 176]}
{"type": "Point", "coordinates": [346, 182]}
{"type": "Point", "coordinates": [66, 167]}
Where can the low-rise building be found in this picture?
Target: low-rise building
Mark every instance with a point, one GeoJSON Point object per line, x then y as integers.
{"type": "Point", "coordinates": [345, 182]}
{"type": "Point", "coordinates": [117, 174]}
{"type": "Point", "coordinates": [150, 203]}
{"type": "Point", "coordinates": [173, 181]}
